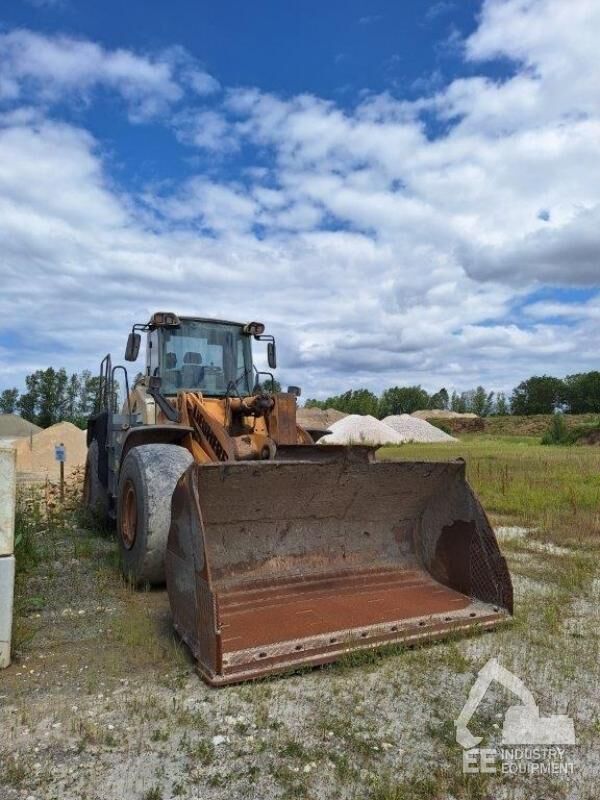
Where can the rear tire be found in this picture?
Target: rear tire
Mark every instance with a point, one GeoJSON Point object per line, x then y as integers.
{"type": "Point", "coordinates": [95, 496]}
{"type": "Point", "coordinates": [146, 483]}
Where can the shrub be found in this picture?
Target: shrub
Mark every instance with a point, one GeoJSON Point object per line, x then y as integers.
{"type": "Point", "coordinates": [441, 424]}
{"type": "Point", "coordinates": [558, 432]}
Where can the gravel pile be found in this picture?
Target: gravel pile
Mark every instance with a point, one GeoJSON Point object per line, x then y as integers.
{"type": "Point", "coordinates": [36, 455]}
{"type": "Point", "coordinates": [12, 426]}
{"type": "Point", "coordinates": [356, 429]}
{"type": "Point", "coordinates": [413, 429]}
{"type": "Point", "coordinates": [318, 417]}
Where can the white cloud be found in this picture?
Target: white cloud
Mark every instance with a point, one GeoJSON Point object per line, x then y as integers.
{"type": "Point", "coordinates": [202, 83]}
{"type": "Point", "coordinates": [377, 253]}
{"type": "Point", "coordinates": [50, 68]}
{"type": "Point", "coordinates": [205, 129]}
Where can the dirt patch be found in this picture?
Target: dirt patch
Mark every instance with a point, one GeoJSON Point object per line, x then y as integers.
{"type": "Point", "coordinates": [591, 437]}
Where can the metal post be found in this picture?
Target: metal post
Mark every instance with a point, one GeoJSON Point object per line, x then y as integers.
{"type": "Point", "coordinates": [60, 454]}
{"type": "Point", "coordinates": [8, 475]}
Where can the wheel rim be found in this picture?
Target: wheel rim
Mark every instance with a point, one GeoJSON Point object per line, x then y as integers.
{"type": "Point", "coordinates": [129, 515]}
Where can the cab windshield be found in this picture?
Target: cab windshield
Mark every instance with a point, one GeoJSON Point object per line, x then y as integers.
{"type": "Point", "coordinates": [205, 357]}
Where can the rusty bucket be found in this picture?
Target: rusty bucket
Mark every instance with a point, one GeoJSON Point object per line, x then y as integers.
{"type": "Point", "coordinates": [272, 565]}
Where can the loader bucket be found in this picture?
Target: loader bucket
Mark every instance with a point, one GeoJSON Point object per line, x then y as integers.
{"type": "Point", "coordinates": [271, 565]}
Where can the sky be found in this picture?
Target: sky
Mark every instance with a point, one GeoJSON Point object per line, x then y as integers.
{"type": "Point", "coordinates": [402, 192]}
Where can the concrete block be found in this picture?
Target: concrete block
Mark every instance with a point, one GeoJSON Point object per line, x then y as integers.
{"type": "Point", "coordinates": [8, 488]}
{"type": "Point", "coordinates": [7, 590]}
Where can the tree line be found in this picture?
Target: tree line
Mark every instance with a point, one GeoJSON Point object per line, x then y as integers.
{"type": "Point", "coordinates": [51, 396]}
{"type": "Point", "coordinates": [575, 394]}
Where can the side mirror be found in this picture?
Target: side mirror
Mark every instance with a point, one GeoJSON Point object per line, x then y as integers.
{"type": "Point", "coordinates": [272, 355]}
{"type": "Point", "coordinates": [295, 390]}
{"type": "Point", "coordinates": [133, 347]}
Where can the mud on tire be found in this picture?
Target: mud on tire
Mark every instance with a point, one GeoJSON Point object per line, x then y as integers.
{"type": "Point", "coordinates": [146, 483]}
{"type": "Point", "coordinates": [95, 497]}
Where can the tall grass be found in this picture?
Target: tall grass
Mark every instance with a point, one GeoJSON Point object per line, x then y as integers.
{"type": "Point", "coordinates": [40, 516]}
{"type": "Point", "coordinates": [554, 490]}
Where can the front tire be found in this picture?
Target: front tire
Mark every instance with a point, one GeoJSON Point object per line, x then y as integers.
{"type": "Point", "coordinates": [146, 483]}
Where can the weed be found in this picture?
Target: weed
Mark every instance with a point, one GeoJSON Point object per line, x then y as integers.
{"type": "Point", "coordinates": [15, 770]}
{"type": "Point", "coordinates": [154, 793]}
{"type": "Point", "coordinates": [558, 432]}
{"type": "Point", "coordinates": [201, 751]}
{"type": "Point", "coordinates": [294, 749]}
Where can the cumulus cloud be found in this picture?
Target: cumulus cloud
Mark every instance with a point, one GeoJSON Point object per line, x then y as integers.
{"type": "Point", "coordinates": [49, 68]}
{"type": "Point", "coordinates": [377, 252]}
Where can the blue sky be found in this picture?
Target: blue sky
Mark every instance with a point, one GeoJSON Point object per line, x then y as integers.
{"type": "Point", "coordinates": [335, 50]}
{"type": "Point", "coordinates": [404, 192]}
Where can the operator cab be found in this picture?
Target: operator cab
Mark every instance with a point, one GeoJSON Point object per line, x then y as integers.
{"type": "Point", "coordinates": [201, 356]}
{"type": "Point", "coordinates": [213, 357]}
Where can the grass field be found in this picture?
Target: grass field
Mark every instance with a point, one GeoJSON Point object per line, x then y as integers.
{"type": "Point", "coordinates": [102, 702]}
{"type": "Point", "coordinates": [555, 490]}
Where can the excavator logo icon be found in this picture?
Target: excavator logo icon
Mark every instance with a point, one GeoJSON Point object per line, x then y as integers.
{"type": "Point", "coordinates": [522, 723]}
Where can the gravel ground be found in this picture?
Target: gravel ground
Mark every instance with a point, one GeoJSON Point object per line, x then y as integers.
{"type": "Point", "coordinates": [103, 703]}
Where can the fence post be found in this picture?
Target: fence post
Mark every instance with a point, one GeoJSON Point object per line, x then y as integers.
{"type": "Point", "coordinates": [8, 490]}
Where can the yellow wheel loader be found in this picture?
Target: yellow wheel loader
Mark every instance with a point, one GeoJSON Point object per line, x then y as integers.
{"type": "Point", "coordinates": [277, 552]}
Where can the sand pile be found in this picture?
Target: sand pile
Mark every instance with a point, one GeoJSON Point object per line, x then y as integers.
{"type": "Point", "coordinates": [318, 417]}
{"type": "Point", "coordinates": [442, 413]}
{"type": "Point", "coordinates": [413, 429]}
{"type": "Point", "coordinates": [36, 456]}
{"type": "Point", "coordinates": [356, 429]}
{"type": "Point", "coordinates": [13, 427]}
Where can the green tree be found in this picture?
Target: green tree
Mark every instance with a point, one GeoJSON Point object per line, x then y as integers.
{"type": "Point", "coordinates": [582, 392]}
{"type": "Point", "coordinates": [271, 386]}
{"type": "Point", "coordinates": [53, 396]}
{"type": "Point", "coordinates": [439, 400]}
{"type": "Point", "coordinates": [70, 407]}
{"type": "Point", "coordinates": [354, 401]}
{"type": "Point", "coordinates": [480, 402]}
{"type": "Point", "coordinates": [457, 403]}
{"type": "Point", "coordinates": [538, 395]}
{"type": "Point", "coordinates": [312, 403]}
{"type": "Point", "coordinates": [8, 401]}
{"type": "Point", "coordinates": [403, 400]}
{"type": "Point", "coordinates": [88, 393]}
{"type": "Point", "coordinates": [501, 407]}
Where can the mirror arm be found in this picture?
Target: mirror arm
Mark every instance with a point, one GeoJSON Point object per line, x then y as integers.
{"type": "Point", "coordinates": [153, 390]}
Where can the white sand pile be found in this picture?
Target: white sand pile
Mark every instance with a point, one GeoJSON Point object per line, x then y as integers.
{"type": "Point", "coordinates": [36, 456]}
{"type": "Point", "coordinates": [413, 429]}
{"type": "Point", "coordinates": [356, 429]}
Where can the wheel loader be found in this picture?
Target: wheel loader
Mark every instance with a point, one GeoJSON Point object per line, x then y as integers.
{"type": "Point", "coordinates": [277, 552]}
